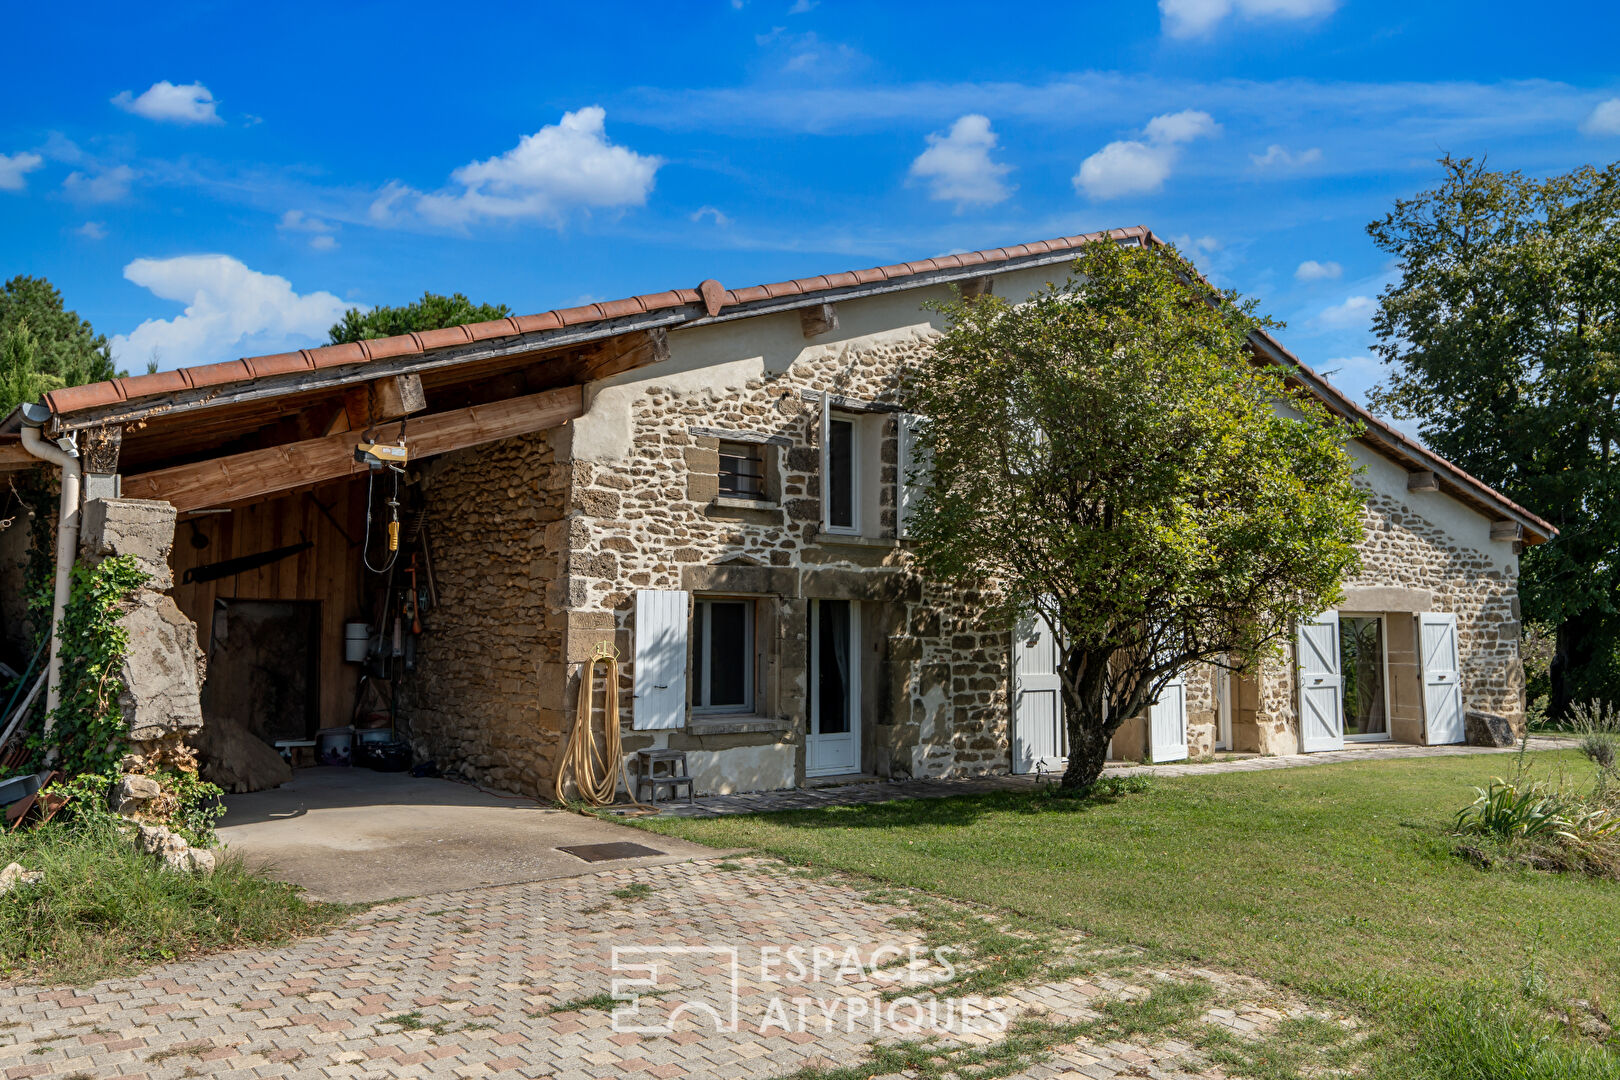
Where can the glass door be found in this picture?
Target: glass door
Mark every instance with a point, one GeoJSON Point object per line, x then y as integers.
{"type": "Point", "coordinates": [833, 743]}
{"type": "Point", "coordinates": [1366, 677]}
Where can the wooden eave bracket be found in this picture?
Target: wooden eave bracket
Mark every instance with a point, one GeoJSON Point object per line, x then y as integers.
{"type": "Point", "coordinates": [818, 319]}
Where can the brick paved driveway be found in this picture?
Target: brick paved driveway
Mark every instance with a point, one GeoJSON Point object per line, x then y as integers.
{"type": "Point", "coordinates": [479, 983]}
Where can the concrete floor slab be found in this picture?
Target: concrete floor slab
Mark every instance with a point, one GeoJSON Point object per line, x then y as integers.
{"type": "Point", "coordinates": [358, 836]}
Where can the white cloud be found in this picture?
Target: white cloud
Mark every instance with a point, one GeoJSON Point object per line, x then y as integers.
{"type": "Point", "coordinates": [230, 311]}
{"type": "Point", "coordinates": [1311, 270]}
{"type": "Point", "coordinates": [1135, 167]}
{"type": "Point", "coordinates": [1356, 311]}
{"type": "Point", "coordinates": [709, 211]}
{"type": "Point", "coordinates": [1604, 120]}
{"type": "Point", "coordinates": [957, 166]}
{"type": "Point", "coordinates": [92, 230]}
{"type": "Point", "coordinates": [1187, 242]}
{"type": "Point", "coordinates": [1196, 18]}
{"type": "Point", "coordinates": [809, 54]}
{"type": "Point", "coordinates": [318, 231]}
{"type": "Point", "coordinates": [171, 104]}
{"type": "Point", "coordinates": [802, 7]}
{"type": "Point", "coordinates": [562, 167]}
{"type": "Point", "coordinates": [1277, 156]}
{"type": "Point", "coordinates": [13, 168]}
{"type": "Point", "coordinates": [108, 185]}
{"type": "Point", "coordinates": [1184, 126]}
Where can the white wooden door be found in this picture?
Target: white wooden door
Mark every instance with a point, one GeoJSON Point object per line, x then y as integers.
{"type": "Point", "coordinates": [660, 674]}
{"type": "Point", "coordinates": [1038, 734]}
{"type": "Point", "coordinates": [833, 742]}
{"type": "Point", "coordinates": [1167, 723]}
{"type": "Point", "coordinates": [1321, 684]}
{"type": "Point", "coordinates": [1442, 681]}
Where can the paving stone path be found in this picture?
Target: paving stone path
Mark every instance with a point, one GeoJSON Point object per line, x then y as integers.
{"type": "Point", "coordinates": [491, 982]}
{"type": "Point", "coordinates": [884, 791]}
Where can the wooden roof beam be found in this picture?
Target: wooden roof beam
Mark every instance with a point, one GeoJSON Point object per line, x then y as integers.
{"type": "Point", "coordinates": [257, 473]}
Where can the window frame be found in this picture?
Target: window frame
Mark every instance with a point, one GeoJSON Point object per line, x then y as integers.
{"type": "Point", "coordinates": [702, 648]}
{"type": "Point", "coordinates": [759, 454]}
{"type": "Point", "coordinates": [830, 416]}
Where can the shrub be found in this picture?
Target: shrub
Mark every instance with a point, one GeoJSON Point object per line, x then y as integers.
{"type": "Point", "coordinates": [1548, 827]}
{"type": "Point", "coordinates": [1596, 725]}
{"type": "Point", "coordinates": [1516, 811]}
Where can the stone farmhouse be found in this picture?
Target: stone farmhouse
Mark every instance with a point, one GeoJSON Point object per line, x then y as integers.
{"type": "Point", "coordinates": [710, 482]}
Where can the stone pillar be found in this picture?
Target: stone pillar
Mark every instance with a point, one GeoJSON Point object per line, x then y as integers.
{"type": "Point", "coordinates": [163, 668]}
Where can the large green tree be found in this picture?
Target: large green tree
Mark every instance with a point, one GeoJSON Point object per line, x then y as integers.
{"type": "Point", "coordinates": [43, 345]}
{"type": "Point", "coordinates": [1106, 455]}
{"type": "Point", "coordinates": [1504, 345]}
{"type": "Point", "coordinates": [432, 312]}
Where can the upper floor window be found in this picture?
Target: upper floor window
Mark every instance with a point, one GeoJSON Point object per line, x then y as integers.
{"type": "Point", "coordinates": [842, 467]}
{"type": "Point", "coordinates": [742, 470]}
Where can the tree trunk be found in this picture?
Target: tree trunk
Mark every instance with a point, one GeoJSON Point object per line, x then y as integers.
{"type": "Point", "coordinates": [1089, 733]}
{"type": "Point", "coordinates": [1568, 675]}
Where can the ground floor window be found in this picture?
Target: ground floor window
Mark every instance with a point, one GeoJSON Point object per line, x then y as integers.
{"type": "Point", "coordinates": [723, 640]}
{"type": "Point", "coordinates": [1366, 688]}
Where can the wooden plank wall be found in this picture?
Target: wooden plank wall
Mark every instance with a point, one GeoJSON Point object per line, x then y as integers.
{"type": "Point", "coordinates": [329, 572]}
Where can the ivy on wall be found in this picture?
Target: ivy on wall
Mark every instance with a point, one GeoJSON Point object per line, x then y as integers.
{"type": "Point", "coordinates": [88, 726]}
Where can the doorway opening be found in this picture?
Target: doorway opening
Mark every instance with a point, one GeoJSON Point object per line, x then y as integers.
{"type": "Point", "coordinates": [1364, 653]}
{"type": "Point", "coordinates": [263, 669]}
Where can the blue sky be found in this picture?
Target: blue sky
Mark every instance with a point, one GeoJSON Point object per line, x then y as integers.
{"type": "Point", "coordinates": [205, 181]}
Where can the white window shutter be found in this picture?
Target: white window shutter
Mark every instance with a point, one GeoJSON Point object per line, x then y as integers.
{"type": "Point", "coordinates": [826, 462]}
{"type": "Point", "coordinates": [1444, 718]}
{"type": "Point", "coordinates": [912, 460]}
{"type": "Point", "coordinates": [1321, 683]}
{"type": "Point", "coordinates": [660, 675]}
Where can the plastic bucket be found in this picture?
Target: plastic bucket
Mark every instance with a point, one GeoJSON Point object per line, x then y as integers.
{"type": "Point", "coordinates": [356, 641]}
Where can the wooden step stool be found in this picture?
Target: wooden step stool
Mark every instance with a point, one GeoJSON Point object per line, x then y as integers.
{"type": "Point", "coordinates": [670, 779]}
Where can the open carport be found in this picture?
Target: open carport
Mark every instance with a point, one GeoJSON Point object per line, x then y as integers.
{"type": "Point", "coordinates": [358, 836]}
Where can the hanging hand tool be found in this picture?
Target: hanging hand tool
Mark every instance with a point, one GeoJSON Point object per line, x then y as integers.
{"type": "Point", "coordinates": [416, 603]}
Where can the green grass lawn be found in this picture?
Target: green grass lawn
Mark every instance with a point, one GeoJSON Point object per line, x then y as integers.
{"type": "Point", "coordinates": [1337, 880]}
{"type": "Point", "coordinates": [105, 909]}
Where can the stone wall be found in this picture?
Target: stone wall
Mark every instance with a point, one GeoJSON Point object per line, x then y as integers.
{"type": "Point", "coordinates": [647, 517]}
{"type": "Point", "coordinates": [1405, 555]}
{"type": "Point", "coordinates": [484, 700]}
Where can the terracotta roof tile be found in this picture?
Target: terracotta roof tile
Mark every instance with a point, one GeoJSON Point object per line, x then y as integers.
{"type": "Point", "coordinates": [218, 374]}
{"type": "Point", "coordinates": [618, 309]}
{"type": "Point", "coordinates": [71, 398]}
{"type": "Point", "coordinates": [750, 294]}
{"type": "Point", "coordinates": [336, 355]}
{"type": "Point", "coordinates": [277, 363]}
{"type": "Point", "coordinates": [673, 298]}
{"type": "Point", "coordinates": [160, 382]}
{"type": "Point", "coordinates": [574, 316]}
{"type": "Point", "coordinates": [713, 295]}
{"type": "Point", "coordinates": [398, 345]}
{"type": "Point", "coordinates": [451, 335]}
{"type": "Point", "coordinates": [494, 328]}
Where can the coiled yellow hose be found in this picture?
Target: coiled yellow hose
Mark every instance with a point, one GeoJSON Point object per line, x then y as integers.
{"type": "Point", "coordinates": [595, 768]}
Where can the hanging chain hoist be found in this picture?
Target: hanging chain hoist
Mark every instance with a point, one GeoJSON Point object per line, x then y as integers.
{"type": "Point", "coordinates": [377, 456]}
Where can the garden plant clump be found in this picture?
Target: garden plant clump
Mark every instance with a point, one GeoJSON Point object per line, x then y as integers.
{"type": "Point", "coordinates": [1554, 823]}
